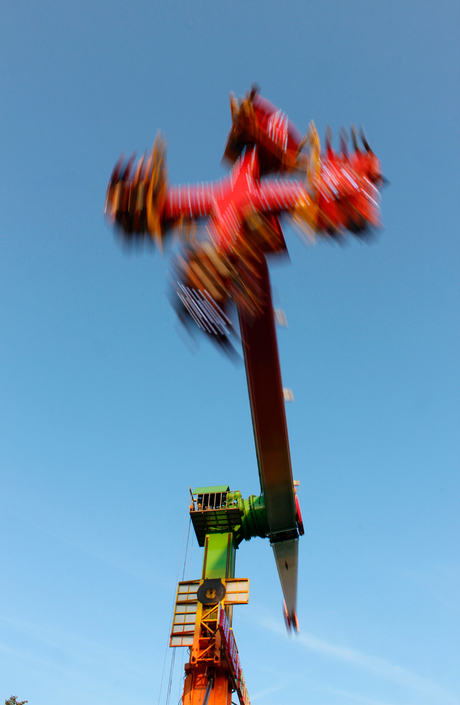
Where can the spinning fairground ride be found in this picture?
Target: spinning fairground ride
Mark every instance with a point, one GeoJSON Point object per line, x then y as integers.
{"type": "Point", "coordinates": [228, 228]}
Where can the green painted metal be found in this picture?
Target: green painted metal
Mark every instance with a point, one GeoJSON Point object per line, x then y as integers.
{"type": "Point", "coordinates": [255, 521]}
{"type": "Point", "coordinates": [218, 511]}
{"type": "Point", "coordinates": [222, 519]}
{"type": "Point", "coordinates": [219, 556]}
{"type": "Point", "coordinates": [211, 490]}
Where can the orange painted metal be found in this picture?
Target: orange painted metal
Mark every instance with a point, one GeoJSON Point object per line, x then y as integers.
{"type": "Point", "coordinates": [214, 670]}
{"type": "Point", "coordinates": [196, 684]}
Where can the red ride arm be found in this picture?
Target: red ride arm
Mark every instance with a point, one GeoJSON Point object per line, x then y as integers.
{"type": "Point", "coordinates": [277, 195]}
{"type": "Point", "coordinates": [271, 438]}
{"type": "Point", "coordinates": [191, 201]}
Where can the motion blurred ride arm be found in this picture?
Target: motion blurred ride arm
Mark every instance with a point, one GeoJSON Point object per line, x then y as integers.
{"type": "Point", "coordinates": [271, 440]}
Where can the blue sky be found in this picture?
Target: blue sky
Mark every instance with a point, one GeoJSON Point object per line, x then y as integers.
{"type": "Point", "coordinates": [108, 413]}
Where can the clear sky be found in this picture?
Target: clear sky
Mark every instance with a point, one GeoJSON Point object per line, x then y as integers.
{"type": "Point", "coordinates": [108, 413]}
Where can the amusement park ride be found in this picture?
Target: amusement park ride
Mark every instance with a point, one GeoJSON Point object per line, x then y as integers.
{"type": "Point", "coordinates": [222, 266]}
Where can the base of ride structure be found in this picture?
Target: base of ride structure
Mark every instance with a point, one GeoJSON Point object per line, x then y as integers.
{"type": "Point", "coordinates": [204, 608]}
